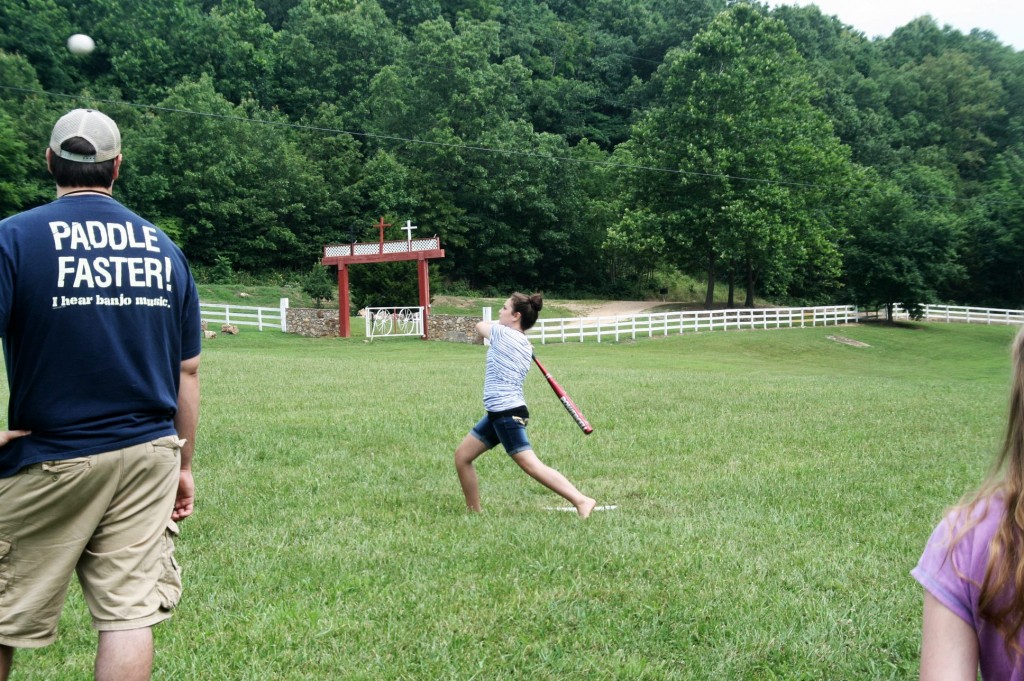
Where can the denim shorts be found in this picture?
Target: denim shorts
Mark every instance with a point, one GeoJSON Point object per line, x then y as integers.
{"type": "Point", "coordinates": [510, 431]}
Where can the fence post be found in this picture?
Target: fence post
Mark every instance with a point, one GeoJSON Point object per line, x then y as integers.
{"type": "Point", "coordinates": [284, 315]}
{"type": "Point", "coordinates": [487, 317]}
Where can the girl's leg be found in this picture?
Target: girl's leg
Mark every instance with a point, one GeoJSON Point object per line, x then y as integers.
{"type": "Point", "coordinates": [554, 481]}
{"type": "Point", "coordinates": [467, 451]}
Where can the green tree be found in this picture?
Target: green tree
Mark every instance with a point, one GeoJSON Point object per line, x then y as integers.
{"type": "Point", "coordinates": [746, 161]}
{"type": "Point", "coordinates": [15, 163]}
{"type": "Point", "coordinates": [902, 246]}
{"type": "Point", "coordinates": [149, 47]}
{"type": "Point", "coordinates": [328, 52]}
{"type": "Point", "coordinates": [947, 102]}
{"type": "Point", "coordinates": [487, 183]}
{"type": "Point", "coordinates": [853, 81]}
{"type": "Point", "coordinates": [244, 41]}
{"type": "Point", "coordinates": [318, 285]}
{"type": "Point", "coordinates": [276, 11]}
{"type": "Point", "coordinates": [634, 247]}
{"type": "Point", "coordinates": [994, 247]}
{"type": "Point", "coordinates": [238, 185]}
{"type": "Point", "coordinates": [26, 119]}
{"type": "Point", "coordinates": [36, 30]}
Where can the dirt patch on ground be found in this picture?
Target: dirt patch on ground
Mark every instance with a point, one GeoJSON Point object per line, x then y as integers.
{"type": "Point", "coordinates": [616, 308]}
{"type": "Point", "coordinates": [848, 341]}
{"type": "Point", "coordinates": [610, 308]}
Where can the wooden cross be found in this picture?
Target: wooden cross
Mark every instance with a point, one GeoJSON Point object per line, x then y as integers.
{"type": "Point", "coordinates": [382, 225]}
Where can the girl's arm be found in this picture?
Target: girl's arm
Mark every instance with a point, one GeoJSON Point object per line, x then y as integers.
{"type": "Point", "coordinates": [949, 646]}
{"type": "Point", "coordinates": [484, 329]}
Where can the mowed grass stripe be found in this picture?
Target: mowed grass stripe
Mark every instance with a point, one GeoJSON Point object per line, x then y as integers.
{"type": "Point", "coordinates": [774, 488]}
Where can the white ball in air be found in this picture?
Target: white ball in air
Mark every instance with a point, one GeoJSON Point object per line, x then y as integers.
{"type": "Point", "coordinates": [80, 43]}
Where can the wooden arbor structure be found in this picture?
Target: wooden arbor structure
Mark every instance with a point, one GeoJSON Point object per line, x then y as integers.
{"type": "Point", "coordinates": [344, 255]}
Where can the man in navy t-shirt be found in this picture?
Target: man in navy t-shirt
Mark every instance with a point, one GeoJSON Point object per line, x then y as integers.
{"type": "Point", "coordinates": [99, 317]}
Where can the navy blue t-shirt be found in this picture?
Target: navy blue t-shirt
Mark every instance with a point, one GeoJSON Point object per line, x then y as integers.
{"type": "Point", "coordinates": [97, 311]}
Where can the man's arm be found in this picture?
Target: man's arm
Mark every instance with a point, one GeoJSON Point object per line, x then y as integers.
{"type": "Point", "coordinates": [186, 421]}
{"type": "Point", "coordinates": [8, 435]}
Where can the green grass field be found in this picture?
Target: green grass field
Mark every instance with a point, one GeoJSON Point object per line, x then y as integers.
{"type": "Point", "coordinates": [774, 489]}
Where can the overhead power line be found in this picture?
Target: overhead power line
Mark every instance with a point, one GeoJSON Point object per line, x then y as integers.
{"type": "Point", "coordinates": [471, 147]}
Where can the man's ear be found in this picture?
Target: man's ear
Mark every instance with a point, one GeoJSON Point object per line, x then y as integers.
{"type": "Point", "coordinates": [117, 168]}
{"type": "Point", "coordinates": [49, 157]}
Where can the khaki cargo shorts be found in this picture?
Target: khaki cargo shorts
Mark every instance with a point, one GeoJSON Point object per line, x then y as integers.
{"type": "Point", "coordinates": [106, 517]}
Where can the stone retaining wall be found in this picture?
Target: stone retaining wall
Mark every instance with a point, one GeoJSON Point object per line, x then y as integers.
{"type": "Point", "coordinates": [453, 328]}
{"type": "Point", "coordinates": [313, 322]}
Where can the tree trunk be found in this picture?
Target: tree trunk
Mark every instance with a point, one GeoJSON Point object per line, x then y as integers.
{"type": "Point", "coordinates": [731, 303]}
{"type": "Point", "coordinates": [709, 297]}
{"type": "Point", "coordinates": [750, 286]}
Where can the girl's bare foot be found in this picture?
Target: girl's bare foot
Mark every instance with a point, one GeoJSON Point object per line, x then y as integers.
{"type": "Point", "coordinates": [585, 507]}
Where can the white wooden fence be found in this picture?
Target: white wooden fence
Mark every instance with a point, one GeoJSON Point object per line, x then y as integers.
{"type": "Point", "coordinates": [641, 325]}
{"type": "Point", "coordinates": [245, 315]}
{"type": "Point", "coordinates": [664, 323]}
{"type": "Point", "coordinates": [967, 315]}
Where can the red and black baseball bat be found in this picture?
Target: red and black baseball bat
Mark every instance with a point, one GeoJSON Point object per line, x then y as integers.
{"type": "Point", "coordinates": [566, 401]}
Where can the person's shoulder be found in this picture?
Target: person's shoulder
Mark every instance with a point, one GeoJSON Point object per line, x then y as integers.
{"type": "Point", "coordinates": [28, 214]}
{"type": "Point", "coordinates": [25, 221]}
{"type": "Point", "coordinates": [969, 528]}
{"type": "Point", "coordinates": [512, 334]}
{"type": "Point", "coordinates": [982, 513]}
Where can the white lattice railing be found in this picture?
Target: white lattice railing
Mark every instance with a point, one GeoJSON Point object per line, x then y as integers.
{"type": "Point", "coordinates": [407, 246]}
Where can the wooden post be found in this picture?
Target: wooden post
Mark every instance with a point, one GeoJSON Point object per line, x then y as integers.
{"type": "Point", "coordinates": [424, 281]}
{"type": "Point", "coordinates": [344, 311]}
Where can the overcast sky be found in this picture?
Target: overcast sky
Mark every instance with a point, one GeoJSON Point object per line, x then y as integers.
{"type": "Point", "coordinates": [876, 18]}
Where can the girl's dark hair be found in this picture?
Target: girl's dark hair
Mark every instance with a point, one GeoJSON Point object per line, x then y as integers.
{"type": "Point", "coordinates": [70, 173]}
{"type": "Point", "coordinates": [528, 308]}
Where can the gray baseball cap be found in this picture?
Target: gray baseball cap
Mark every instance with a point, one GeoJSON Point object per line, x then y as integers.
{"type": "Point", "coordinates": [93, 126]}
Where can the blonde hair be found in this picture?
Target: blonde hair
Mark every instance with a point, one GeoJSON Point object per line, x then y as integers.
{"type": "Point", "coordinates": [1004, 573]}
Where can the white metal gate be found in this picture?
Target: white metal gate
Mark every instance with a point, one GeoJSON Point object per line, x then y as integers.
{"type": "Point", "coordinates": [394, 321]}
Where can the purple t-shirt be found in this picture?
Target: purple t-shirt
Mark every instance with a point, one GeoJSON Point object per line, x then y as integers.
{"type": "Point", "coordinates": [957, 584]}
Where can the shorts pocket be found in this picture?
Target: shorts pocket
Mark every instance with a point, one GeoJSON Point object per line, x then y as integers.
{"type": "Point", "coordinates": [79, 464]}
{"type": "Point", "coordinates": [168, 446]}
{"type": "Point", "coordinates": [168, 586]}
{"type": "Point", "coordinates": [5, 564]}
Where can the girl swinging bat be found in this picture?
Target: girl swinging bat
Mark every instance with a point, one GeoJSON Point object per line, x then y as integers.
{"type": "Point", "coordinates": [508, 361]}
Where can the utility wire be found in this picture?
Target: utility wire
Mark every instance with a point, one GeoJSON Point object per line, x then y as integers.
{"type": "Point", "coordinates": [475, 148]}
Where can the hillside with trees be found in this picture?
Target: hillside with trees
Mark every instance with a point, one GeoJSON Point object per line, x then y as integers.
{"type": "Point", "coordinates": [585, 148]}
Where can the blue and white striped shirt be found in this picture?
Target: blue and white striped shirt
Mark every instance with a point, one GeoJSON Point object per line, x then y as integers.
{"type": "Point", "coordinates": [508, 362]}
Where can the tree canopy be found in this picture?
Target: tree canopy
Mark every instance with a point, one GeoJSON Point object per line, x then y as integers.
{"type": "Point", "coordinates": [577, 147]}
